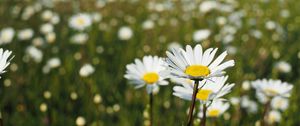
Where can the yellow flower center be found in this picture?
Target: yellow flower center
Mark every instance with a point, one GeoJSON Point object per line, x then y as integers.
{"type": "Point", "coordinates": [197, 70]}
{"type": "Point", "coordinates": [151, 77]}
{"type": "Point", "coordinates": [80, 21]}
{"type": "Point", "coordinates": [213, 113]}
{"type": "Point", "coordinates": [270, 91]}
{"type": "Point", "coordinates": [272, 119]}
{"type": "Point", "coordinates": [203, 94]}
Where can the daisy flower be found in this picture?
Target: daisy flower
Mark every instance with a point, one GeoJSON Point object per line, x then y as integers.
{"type": "Point", "coordinates": [80, 21]}
{"type": "Point", "coordinates": [279, 103]}
{"type": "Point", "coordinates": [125, 33]}
{"type": "Point", "coordinates": [146, 72]}
{"type": "Point", "coordinates": [271, 88]}
{"type": "Point", "coordinates": [195, 64]}
{"type": "Point", "coordinates": [4, 60]}
{"type": "Point", "coordinates": [273, 116]}
{"type": "Point", "coordinates": [217, 108]}
{"type": "Point", "coordinates": [211, 89]}
{"type": "Point", "coordinates": [6, 35]}
{"type": "Point", "coordinates": [201, 35]}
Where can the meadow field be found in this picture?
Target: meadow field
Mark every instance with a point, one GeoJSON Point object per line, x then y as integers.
{"type": "Point", "coordinates": [69, 59]}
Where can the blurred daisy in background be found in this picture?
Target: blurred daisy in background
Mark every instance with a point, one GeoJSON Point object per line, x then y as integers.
{"type": "Point", "coordinates": [283, 66]}
{"type": "Point", "coordinates": [47, 15]}
{"type": "Point", "coordinates": [25, 34]}
{"type": "Point", "coordinates": [273, 117]}
{"type": "Point", "coordinates": [195, 63]}
{"type": "Point", "coordinates": [146, 72]}
{"type": "Point", "coordinates": [271, 88]}
{"type": "Point", "coordinates": [86, 70]}
{"type": "Point", "coordinates": [273, 94]}
{"type": "Point", "coordinates": [148, 24]}
{"type": "Point", "coordinates": [79, 38]}
{"type": "Point", "coordinates": [80, 121]}
{"type": "Point", "coordinates": [125, 33]}
{"type": "Point", "coordinates": [6, 35]}
{"type": "Point", "coordinates": [4, 59]}
{"type": "Point", "coordinates": [201, 35]}
{"type": "Point", "coordinates": [216, 108]}
{"type": "Point", "coordinates": [212, 89]}
{"type": "Point", "coordinates": [249, 105]}
{"type": "Point", "coordinates": [279, 103]}
{"type": "Point", "coordinates": [34, 53]}
{"type": "Point", "coordinates": [46, 28]}
{"type": "Point", "coordinates": [51, 64]}
{"type": "Point", "coordinates": [207, 6]}
{"type": "Point", "coordinates": [80, 21]}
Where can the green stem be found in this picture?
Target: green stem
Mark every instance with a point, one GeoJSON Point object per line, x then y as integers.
{"type": "Point", "coordinates": [151, 108]}
{"type": "Point", "coordinates": [203, 120]}
{"type": "Point", "coordinates": [265, 113]}
{"type": "Point", "coordinates": [190, 117]}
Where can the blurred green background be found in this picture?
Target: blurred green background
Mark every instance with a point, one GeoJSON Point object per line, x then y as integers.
{"type": "Point", "coordinates": [259, 35]}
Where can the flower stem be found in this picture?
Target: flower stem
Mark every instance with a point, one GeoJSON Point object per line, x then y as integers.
{"type": "Point", "coordinates": [203, 120]}
{"type": "Point", "coordinates": [265, 113]}
{"type": "Point", "coordinates": [151, 108]}
{"type": "Point", "coordinates": [190, 118]}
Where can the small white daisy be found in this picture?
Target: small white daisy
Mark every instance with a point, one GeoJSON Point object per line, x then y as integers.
{"type": "Point", "coordinates": [25, 34]}
{"type": "Point", "coordinates": [279, 103]}
{"type": "Point", "coordinates": [201, 35]}
{"type": "Point", "coordinates": [273, 116]}
{"type": "Point", "coordinates": [80, 21]}
{"type": "Point", "coordinates": [217, 108]}
{"type": "Point", "coordinates": [4, 60]}
{"type": "Point", "coordinates": [79, 38]}
{"type": "Point", "coordinates": [125, 33]}
{"type": "Point", "coordinates": [146, 72]}
{"type": "Point", "coordinates": [249, 105]}
{"type": "Point", "coordinates": [283, 66]}
{"type": "Point", "coordinates": [195, 64]}
{"type": "Point", "coordinates": [86, 70]}
{"type": "Point", "coordinates": [271, 88]}
{"type": "Point", "coordinates": [212, 89]}
{"type": "Point", "coordinates": [6, 35]}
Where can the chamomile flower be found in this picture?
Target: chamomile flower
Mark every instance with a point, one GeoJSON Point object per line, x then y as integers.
{"type": "Point", "coordinates": [280, 103]}
{"type": "Point", "coordinates": [80, 21]}
{"type": "Point", "coordinates": [195, 64]}
{"type": "Point", "coordinates": [217, 108]}
{"type": "Point", "coordinates": [4, 60]}
{"type": "Point", "coordinates": [201, 35]}
{"type": "Point", "coordinates": [271, 88]}
{"type": "Point", "coordinates": [146, 72]}
{"type": "Point", "coordinates": [212, 89]}
{"type": "Point", "coordinates": [125, 33]}
{"type": "Point", "coordinates": [86, 70]}
{"type": "Point", "coordinates": [25, 34]}
{"type": "Point", "coordinates": [273, 116]}
{"type": "Point", "coordinates": [6, 35]}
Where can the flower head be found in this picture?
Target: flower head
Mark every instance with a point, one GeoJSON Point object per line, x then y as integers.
{"type": "Point", "coordinates": [125, 33]}
{"type": "Point", "coordinates": [211, 89]}
{"type": "Point", "coordinates": [280, 103]}
{"type": "Point", "coordinates": [200, 35]}
{"type": "Point", "coordinates": [271, 88]}
{"type": "Point", "coordinates": [6, 35]}
{"type": "Point", "coordinates": [195, 64]}
{"type": "Point", "coordinates": [273, 116]}
{"type": "Point", "coordinates": [146, 72]}
{"type": "Point", "coordinates": [216, 108]}
{"type": "Point", "coordinates": [80, 21]}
